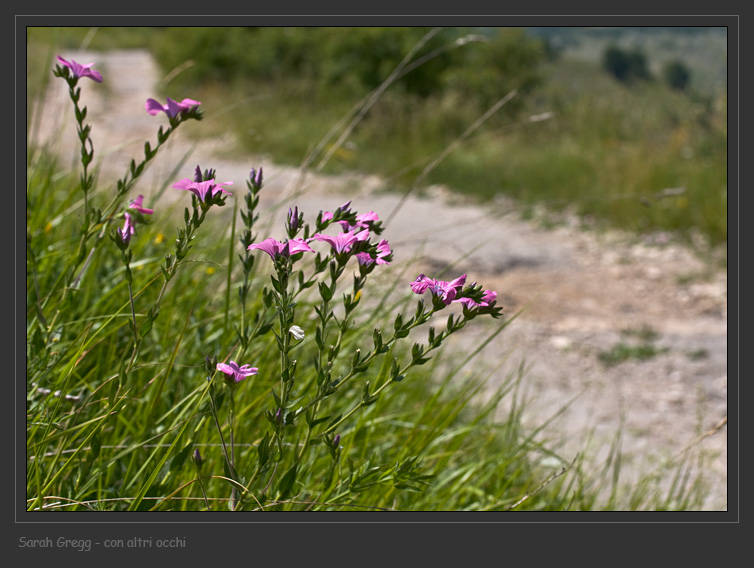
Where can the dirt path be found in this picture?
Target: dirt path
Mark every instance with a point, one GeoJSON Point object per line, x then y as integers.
{"type": "Point", "coordinates": [583, 291]}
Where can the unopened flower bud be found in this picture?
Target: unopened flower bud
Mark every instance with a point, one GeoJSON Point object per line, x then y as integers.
{"type": "Point", "coordinates": [210, 364]}
{"type": "Point", "coordinates": [124, 237]}
{"type": "Point", "coordinates": [198, 461]}
{"type": "Point", "coordinates": [199, 177]}
{"type": "Point", "coordinates": [293, 220]}
{"type": "Point", "coordinates": [255, 178]}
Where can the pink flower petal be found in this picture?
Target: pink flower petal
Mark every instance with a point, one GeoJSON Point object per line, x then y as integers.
{"type": "Point", "coordinates": [153, 107]}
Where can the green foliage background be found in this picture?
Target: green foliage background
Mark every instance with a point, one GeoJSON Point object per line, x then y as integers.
{"type": "Point", "coordinates": [607, 152]}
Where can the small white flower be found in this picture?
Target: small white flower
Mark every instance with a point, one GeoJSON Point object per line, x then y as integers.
{"type": "Point", "coordinates": [297, 332]}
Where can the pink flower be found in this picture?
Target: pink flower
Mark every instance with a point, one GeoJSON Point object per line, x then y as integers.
{"type": "Point", "coordinates": [203, 189]}
{"type": "Point", "coordinates": [135, 204]}
{"type": "Point", "coordinates": [420, 285]}
{"type": "Point", "coordinates": [236, 373]}
{"type": "Point", "coordinates": [173, 108]}
{"type": "Point", "coordinates": [363, 221]}
{"type": "Point", "coordinates": [80, 70]}
{"type": "Point", "coordinates": [446, 291]}
{"type": "Point", "coordinates": [383, 250]}
{"type": "Point", "coordinates": [341, 243]}
{"type": "Point", "coordinates": [328, 215]}
{"type": "Point", "coordinates": [368, 216]}
{"type": "Point", "coordinates": [488, 298]}
{"type": "Point", "coordinates": [275, 248]}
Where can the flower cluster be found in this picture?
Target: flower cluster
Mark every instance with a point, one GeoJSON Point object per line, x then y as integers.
{"type": "Point", "coordinates": [446, 291]}
{"type": "Point", "coordinates": [488, 300]}
{"type": "Point", "coordinates": [471, 297]}
{"type": "Point", "coordinates": [328, 215]}
{"type": "Point", "coordinates": [356, 229]}
{"type": "Point", "coordinates": [363, 221]}
{"type": "Point", "coordinates": [344, 244]}
{"type": "Point", "coordinates": [204, 190]}
{"type": "Point", "coordinates": [203, 185]}
{"type": "Point", "coordinates": [383, 252]}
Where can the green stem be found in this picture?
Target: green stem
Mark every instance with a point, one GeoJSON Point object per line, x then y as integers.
{"type": "Point", "coordinates": [230, 267]}
{"type": "Point", "coordinates": [123, 187]}
{"type": "Point", "coordinates": [86, 155]}
{"type": "Point", "coordinates": [204, 493]}
{"type": "Point", "coordinates": [133, 311]}
{"type": "Point", "coordinates": [220, 431]}
{"type": "Point", "coordinates": [456, 326]}
{"type": "Point", "coordinates": [231, 424]}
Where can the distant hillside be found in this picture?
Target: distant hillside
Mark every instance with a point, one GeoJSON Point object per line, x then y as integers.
{"type": "Point", "coordinates": [704, 50]}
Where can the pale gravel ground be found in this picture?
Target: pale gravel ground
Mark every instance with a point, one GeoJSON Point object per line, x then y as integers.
{"type": "Point", "coordinates": [581, 289]}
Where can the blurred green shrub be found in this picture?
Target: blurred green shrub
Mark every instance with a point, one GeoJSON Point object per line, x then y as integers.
{"type": "Point", "coordinates": [508, 60]}
{"type": "Point", "coordinates": [676, 75]}
{"type": "Point", "coordinates": [626, 65]}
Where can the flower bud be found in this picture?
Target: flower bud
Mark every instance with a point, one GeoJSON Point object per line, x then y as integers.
{"type": "Point", "coordinates": [293, 220]}
{"type": "Point", "coordinates": [210, 364]}
{"type": "Point", "coordinates": [125, 238]}
{"type": "Point", "coordinates": [255, 178]}
{"type": "Point", "coordinates": [199, 177]}
{"type": "Point", "coordinates": [198, 461]}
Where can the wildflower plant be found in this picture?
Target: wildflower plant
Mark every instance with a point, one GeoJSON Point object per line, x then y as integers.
{"type": "Point", "coordinates": [279, 427]}
{"type": "Point", "coordinates": [97, 221]}
{"type": "Point", "coordinates": [297, 401]}
{"type": "Point", "coordinates": [261, 325]}
{"type": "Point", "coordinates": [71, 72]}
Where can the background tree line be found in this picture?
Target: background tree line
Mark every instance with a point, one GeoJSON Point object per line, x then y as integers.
{"type": "Point", "coordinates": [346, 61]}
{"type": "Point", "coordinates": [632, 65]}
